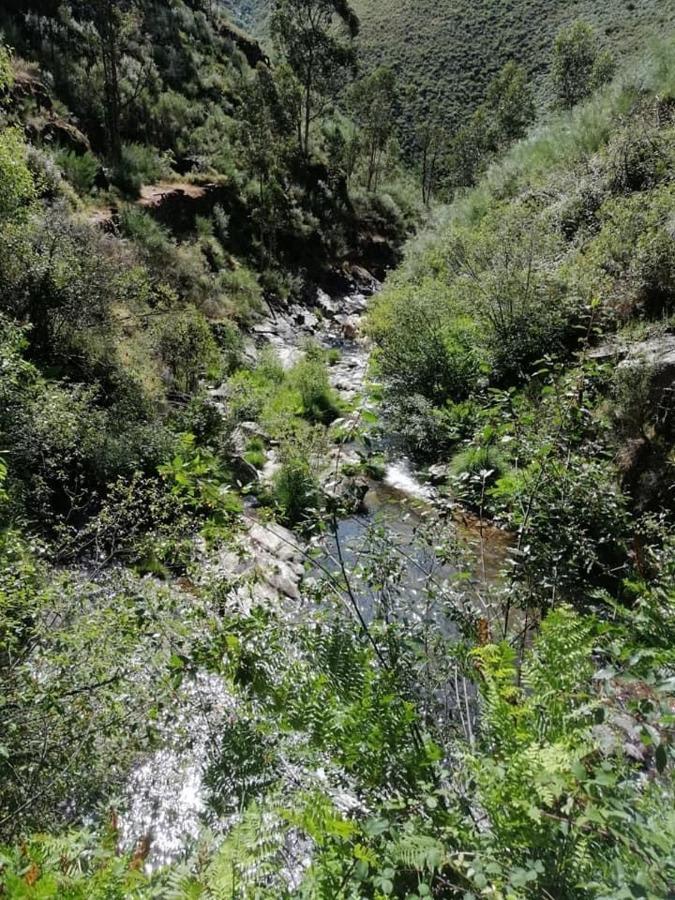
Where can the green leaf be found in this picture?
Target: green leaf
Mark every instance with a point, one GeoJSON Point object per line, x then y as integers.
{"type": "Point", "coordinates": [661, 758]}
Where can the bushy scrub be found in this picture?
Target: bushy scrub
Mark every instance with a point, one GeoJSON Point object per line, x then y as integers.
{"type": "Point", "coordinates": [310, 378]}
{"type": "Point", "coordinates": [148, 235]}
{"type": "Point", "coordinates": [188, 349]}
{"type": "Point", "coordinates": [632, 259]}
{"type": "Point", "coordinates": [65, 444]}
{"type": "Point", "coordinates": [17, 189]}
{"type": "Point", "coordinates": [79, 169]}
{"type": "Point", "coordinates": [275, 397]}
{"type": "Point", "coordinates": [139, 164]}
{"type": "Point", "coordinates": [242, 294]}
{"type": "Point", "coordinates": [419, 426]}
{"type": "Point", "coordinates": [505, 271]}
{"type": "Point", "coordinates": [423, 346]}
{"type": "Point", "coordinates": [572, 521]}
{"type": "Point", "coordinates": [295, 489]}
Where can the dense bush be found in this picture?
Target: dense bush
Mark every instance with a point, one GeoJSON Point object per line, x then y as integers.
{"type": "Point", "coordinates": [80, 169]}
{"type": "Point", "coordinates": [421, 348]}
{"type": "Point", "coordinates": [139, 165]}
{"type": "Point", "coordinates": [295, 489]}
{"type": "Point", "coordinates": [188, 349]}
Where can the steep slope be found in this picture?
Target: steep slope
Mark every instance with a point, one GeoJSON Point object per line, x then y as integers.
{"type": "Point", "coordinates": [446, 52]}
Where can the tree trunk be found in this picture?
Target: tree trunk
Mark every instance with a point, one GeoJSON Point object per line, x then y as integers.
{"type": "Point", "coordinates": [107, 28]}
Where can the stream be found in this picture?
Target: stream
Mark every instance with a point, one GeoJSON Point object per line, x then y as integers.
{"type": "Point", "coordinates": [166, 798]}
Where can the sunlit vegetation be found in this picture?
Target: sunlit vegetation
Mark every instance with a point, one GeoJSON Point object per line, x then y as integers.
{"type": "Point", "coordinates": [429, 719]}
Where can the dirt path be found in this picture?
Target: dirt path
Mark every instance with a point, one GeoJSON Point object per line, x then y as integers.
{"type": "Point", "coordinates": [152, 197]}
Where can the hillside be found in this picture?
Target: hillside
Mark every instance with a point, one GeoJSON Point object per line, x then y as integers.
{"type": "Point", "coordinates": [446, 51]}
{"type": "Point", "coordinates": [337, 525]}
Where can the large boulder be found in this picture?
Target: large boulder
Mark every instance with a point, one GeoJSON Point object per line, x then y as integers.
{"type": "Point", "coordinates": [656, 357]}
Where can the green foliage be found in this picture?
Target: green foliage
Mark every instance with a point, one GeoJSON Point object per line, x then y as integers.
{"type": "Point", "coordinates": [421, 348]}
{"type": "Point", "coordinates": [80, 169]}
{"type": "Point", "coordinates": [310, 379]}
{"type": "Point", "coordinates": [314, 39]}
{"type": "Point", "coordinates": [148, 235]}
{"type": "Point", "coordinates": [449, 54]}
{"type": "Point", "coordinates": [188, 349]}
{"type": "Point", "coordinates": [295, 489]}
{"type": "Point", "coordinates": [362, 734]}
{"type": "Point", "coordinates": [6, 70]}
{"type": "Point", "coordinates": [575, 523]}
{"type": "Point", "coordinates": [373, 100]}
{"type": "Point", "coordinates": [503, 117]}
{"type": "Point", "coordinates": [138, 165]}
{"type": "Point", "coordinates": [17, 189]}
{"type": "Point", "coordinates": [579, 67]}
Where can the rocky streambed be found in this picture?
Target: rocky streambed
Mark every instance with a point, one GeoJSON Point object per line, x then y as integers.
{"type": "Point", "coordinates": [267, 564]}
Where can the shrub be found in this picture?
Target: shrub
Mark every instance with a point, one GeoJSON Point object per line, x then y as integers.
{"type": "Point", "coordinates": [139, 165]}
{"type": "Point", "coordinates": [146, 232]}
{"type": "Point", "coordinates": [579, 66]}
{"type": "Point", "coordinates": [417, 425]}
{"type": "Point", "coordinates": [79, 169]}
{"type": "Point", "coordinates": [572, 518]}
{"type": "Point", "coordinates": [188, 349]}
{"type": "Point", "coordinates": [295, 490]}
{"type": "Point", "coordinates": [422, 348]}
{"type": "Point", "coordinates": [242, 294]}
{"type": "Point", "coordinates": [255, 452]}
{"type": "Point", "coordinates": [17, 189]}
{"type": "Point", "coordinates": [475, 461]}
{"type": "Point", "coordinates": [6, 70]}
{"type": "Point", "coordinates": [230, 343]}
{"type": "Point", "coordinates": [310, 379]}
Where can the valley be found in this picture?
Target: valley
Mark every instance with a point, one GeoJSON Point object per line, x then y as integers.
{"type": "Point", "coordinates": [337, 450]}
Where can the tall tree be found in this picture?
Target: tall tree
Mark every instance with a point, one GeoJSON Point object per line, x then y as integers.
{"type": "Point", "coordinates": [106, 17]}
{"type": "Point", "coordinates": [269, 111]}
{"type": "Point", "coordinates": [579, 65]}
{"type": "Point", "coordinates": [503, 117]}
{"type": "Point", "coordinates": [430, 139]}
{"type": "Point", "coordinates": [510, 103]}
{"type": "Point", "coordinates": [372, 103]}
{"type": "Point", "coordinates": [315, 38]}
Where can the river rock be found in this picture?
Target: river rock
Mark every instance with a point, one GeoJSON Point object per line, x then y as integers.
{"type": "Point", "coordinates": [365, 280]}
{"type": "Point", "coordinates": [350, 328]}
{"type": "Point", "coordinates": [326, 304]}
{"type": "Point", "coordinates": [347, 493]}
{"type": "Point", "coordinates": [264, 564]}
{"type": "Point", "coordinates": [438, 474]}
{"type": "Point", "coordinates": [655, 356]}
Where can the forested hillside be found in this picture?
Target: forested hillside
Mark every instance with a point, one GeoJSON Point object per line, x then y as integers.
{"type": "Point", "coordinates": [337, 482]}
{"type": "Point", "coordinates": [446, 53]}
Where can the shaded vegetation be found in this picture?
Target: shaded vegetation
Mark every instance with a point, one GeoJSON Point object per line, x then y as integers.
{"type": "Point", "coordinates": [371, 722]}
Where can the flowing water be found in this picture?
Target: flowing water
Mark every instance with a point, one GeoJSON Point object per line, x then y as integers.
{"type": "Point", "coordinates": [167, 801]}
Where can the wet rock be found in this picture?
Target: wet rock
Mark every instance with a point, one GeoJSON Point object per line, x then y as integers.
{"type": "Point", "coordinates": [347, 493]}
{"type": "Point", "coordinates": [364, 279]}
{"type": "Point", "coordinates": [264, 564]}
{"type": "Point", "coordinates": [244, 472]}
{"type": "Point", "coordinates": [438, 474]}
{"type": "Point", "coordinates": [350, 329]}
{"type": "Point", "coordinates": [326, 304]}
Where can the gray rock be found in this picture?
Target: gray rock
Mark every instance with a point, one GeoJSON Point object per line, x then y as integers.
{"type": "Point", "coordinates": [326, 304]}
{"type": "Point", "coordinates": [657, 354]}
